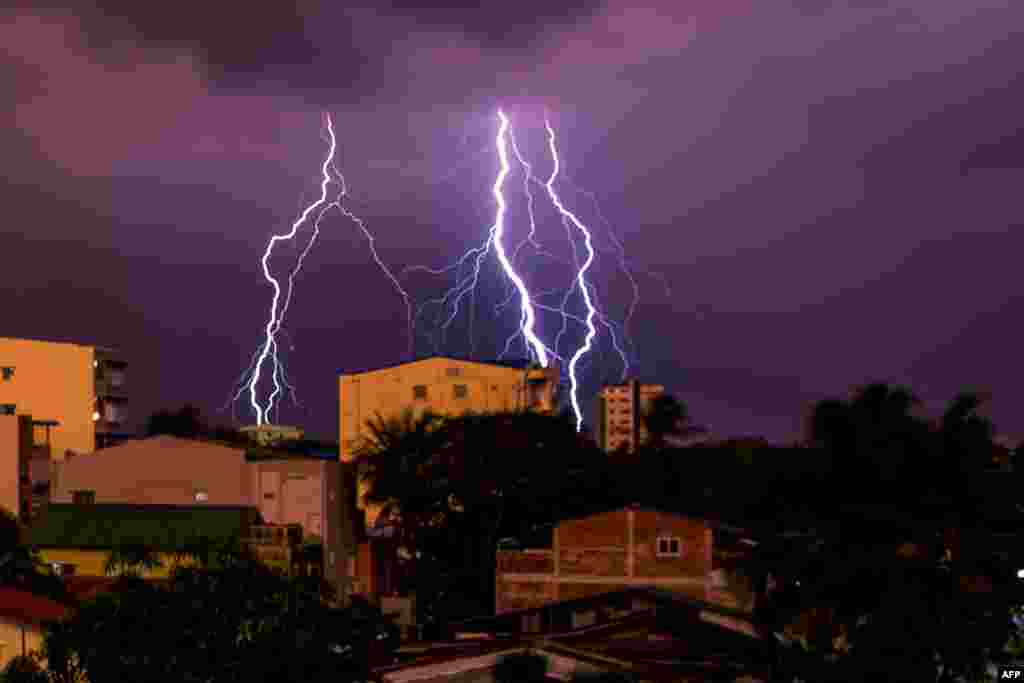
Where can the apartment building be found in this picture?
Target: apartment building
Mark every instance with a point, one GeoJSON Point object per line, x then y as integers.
{"type": "Point", "coordinates": [81, 391]}
{"type": "Point", "coordinates": [632, 547]}
{"type": "Point", "coordinates": [621, 409]}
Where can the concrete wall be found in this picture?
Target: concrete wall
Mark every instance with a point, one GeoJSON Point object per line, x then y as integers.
{"type": "Point", "coordinates": [11, 642]}
{"type": "Point", "coordinates": [53, 381]}
{"type": "Point", "coordinates": [15, 456]}
{"type": "Point", "coordinates": [162, 470]}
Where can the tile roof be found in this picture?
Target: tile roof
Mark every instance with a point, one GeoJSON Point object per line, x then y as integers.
{"type": "Point", "coordinates": [26, 607]}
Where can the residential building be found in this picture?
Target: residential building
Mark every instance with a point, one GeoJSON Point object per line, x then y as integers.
{"type": "Point", "coordinates": [80, 390]}
{"type": "Point", "coordinates": [78, 538]}
{"type": "Point", "coordinates": [289, 485]}
{"type": "Point", "coordinates": [445, 386]}
{"type": "Point", "coordinates": [15, 458]}
{"type": "Point", "coordinates": [621, 409]}
{"type": "Point", "coordinates": [22, 618]}
{"type": "Point", "coordinates": [606, 552]}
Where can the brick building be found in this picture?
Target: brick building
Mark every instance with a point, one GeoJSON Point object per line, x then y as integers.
{"type": "Point", "coordinates": [606, 552]}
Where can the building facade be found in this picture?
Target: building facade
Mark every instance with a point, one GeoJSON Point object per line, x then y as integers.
{"type": "Point", "coordinates": [22, 619]}
{"type": "Point", "coordinates": [607, 552]}
{"type": "Point", "coordinates": [15, 460]}
{"type": "Point", "coordinates": [80, 390]}
{"type": "Point", "coordinates": [445, 386]}
{"type": "Point", "coordinates": [620, 414]}
{"type": "Point", "coordinates": [286, 488]}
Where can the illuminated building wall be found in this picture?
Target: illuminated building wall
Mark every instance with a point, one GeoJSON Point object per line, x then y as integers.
{"type": "Point", "coordinates": [81, 388]}
{"type": "Point", "coordinates": [15, 454]}
{"type": "Point", "coordinates": [621, 408]}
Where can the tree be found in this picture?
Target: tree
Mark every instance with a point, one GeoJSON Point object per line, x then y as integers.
{"type": "Point", "coordinates": [132, 559]}
{"type": "Point", "coordinates": [666, 419]}
{"type": "Point", "coordinates": [523, 667]}
{"type": "Point", "coordinates": [873, 438]}
{"type": "Point", "coordinates": [234, 623]}
{"type": "Point", "coordinates": [23, 669]}
{"type": "Point", "coordinates": [185, 423]}
{"type": "Point", "coordinates": [453, 485]}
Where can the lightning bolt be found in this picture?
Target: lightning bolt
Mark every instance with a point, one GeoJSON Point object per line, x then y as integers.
{"type": "Point", "coordinates": [581, 277]}
{"type": "Point", "coordinates": [278, 308]}
{"type": "Point", "coordinates": [529, 316]}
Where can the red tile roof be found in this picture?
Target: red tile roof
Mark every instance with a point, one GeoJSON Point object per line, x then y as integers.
{"type": "Point", "coordinates": [25, 607]}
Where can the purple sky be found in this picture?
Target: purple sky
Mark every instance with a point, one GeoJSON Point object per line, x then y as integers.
{"type": "Point", "coordinates": [830, 189]}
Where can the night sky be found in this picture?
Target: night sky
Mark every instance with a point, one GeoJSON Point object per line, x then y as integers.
{"type": "Point", "coordinates": [831, 190]}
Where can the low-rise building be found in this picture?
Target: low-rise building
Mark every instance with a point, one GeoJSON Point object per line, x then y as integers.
{"type": "Point", "coordinates": [22, 619]}
{"type": "Point", "coordinates": [606, 552]}
{"type": "Point", "coordinates": [289, 484]}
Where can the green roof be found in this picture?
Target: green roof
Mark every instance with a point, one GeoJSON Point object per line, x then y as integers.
{"type": "Point", "coordinates": [162, 527]}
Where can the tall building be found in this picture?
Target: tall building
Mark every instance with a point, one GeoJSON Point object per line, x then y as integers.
{"type": "Point", "coordinates": [621, 409]}
{"type": "Point", "coordinates": [80, 391]}
{"type": "Point", "coordinates": [445, 386]}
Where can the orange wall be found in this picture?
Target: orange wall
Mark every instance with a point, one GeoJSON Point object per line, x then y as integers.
{"type": "Point", "coordinates": [15, 448]}
{"type": "Point", "coordinates": [53, 382]}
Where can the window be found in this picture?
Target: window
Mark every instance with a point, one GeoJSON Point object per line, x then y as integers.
{"type": "Point", "coordinates": [202, 495]}
{"type": "Point", "coordinates": [461, 391]}
{"type": "Point", "coordinates": [669, 546]}
{"type": "Point", "coordinates": [419, 392]}
{"type": "Point", "coordinates": [7, 409]}
{"type": "Point", "coordinates": [268, 496]}
{"type": "Point", "coordinates": [454, 372]}
{"type": "Point", "coordinates": [83, 497]}
{"type": "Point", "coordinates": [7, 373]}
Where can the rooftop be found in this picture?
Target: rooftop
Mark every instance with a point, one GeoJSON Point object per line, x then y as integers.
{"type": "Point", "coordinates": [25, 607]}
{"type": "Point", "coordinates": [519, 364]}
{"type": "Point", "coordinates": [162, 527]}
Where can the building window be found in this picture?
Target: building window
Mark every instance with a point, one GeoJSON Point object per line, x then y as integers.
{"type": "Point", "coordinates": [7, 373]}
{"type": "Point", "coordinates": [268, 496]}
{"type": "Point", "coordinates": [669, 546]}
{"type": "Point", "coordinates": [7, 409]}
{"type": "Point", "coordinates": [83, 497]}
{"type": "Point", "coordinates": [202, 495]}
{"type": "Point", "coordinates": [454, 372]}
{"type": "Point", "coordinates": [419, 392]}
{"type": "Point", "coordinates": [461, 391]}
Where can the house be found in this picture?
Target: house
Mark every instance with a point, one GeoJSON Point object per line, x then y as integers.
{"type": "Point", "coordinates": [22, 617]}
{"type": "Point", "coordinates": [290, 484]}
{"type": "Point", "coordinates": [608, 551]}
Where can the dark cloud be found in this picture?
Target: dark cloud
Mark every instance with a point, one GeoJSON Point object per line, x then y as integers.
{"type": "Point", "coordinates": [232, 38]}
{"type": "Point", "coordinates": [503, 27]}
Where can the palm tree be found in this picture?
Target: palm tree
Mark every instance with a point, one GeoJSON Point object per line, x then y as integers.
{"type": "Point", "coordinates": [874, 436]}
{"type": "Point", "coordinates": [666, 419]}
{"type": "Point", "coordinates": [967, 436]}
{"type": "Point", "coordinates": [523, 667]}
{"type": "Point", "coordinates": [132, 559]}
{"type": "Point", "coordinates": [450, 484]}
